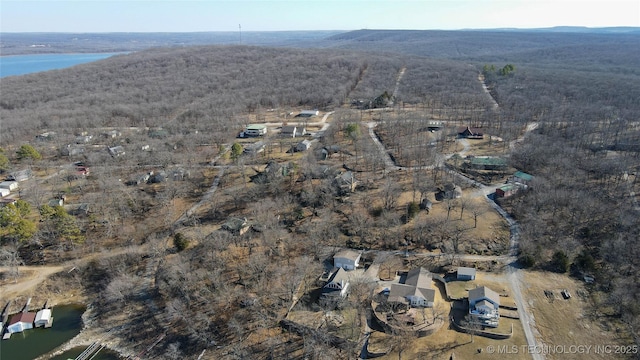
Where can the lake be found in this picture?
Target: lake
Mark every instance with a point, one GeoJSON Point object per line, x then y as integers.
{"type": "Point", "coordinates": [67, 323]}
{"type": "Point", "coordinates": [27, 64]}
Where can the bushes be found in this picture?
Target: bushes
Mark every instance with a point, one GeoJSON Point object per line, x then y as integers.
{"type": "Point", "coordinates": [180, 242]}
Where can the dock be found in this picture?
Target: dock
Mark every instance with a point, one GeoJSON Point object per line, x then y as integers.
{"type": "Point", "coordinates": [90, 352]}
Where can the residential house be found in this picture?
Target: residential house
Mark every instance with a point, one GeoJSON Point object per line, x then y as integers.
{"type": "Point", "coordinates": [522, 178]}
{"type": "Point", "coordinates": [236, 226]}
{"type": "Point", "coordinates": [416, 290]}
{"type": "Point", "coordinates": [487, 163]}
{"type": "Point", "coordinates": [10, 185]}
{"type": "Point", "coordinates": [46, 136]}
{"type": "Point", "coordinates": [4, 201]}
{"type": "Point", "coordinates": [337, 284]}
{"type": "Point", "coordinates": [466, 273]}
{"type": "Point", "coordinates": [255, 148]}
{"type": "Point", "coordinates": [303, 145]}
{"type": "Point", "coordinates": [256, 130]}
{"type": "Point", "coordinates": [346, 182]}
{"type": "Point", "coordinates": [484, 305]}
{"type": "Point", "coordinates": [180, 174]}
{"type": "Point", "coordinates": [470, 133]}
{"type": "Point", "coordinates": [111, 134]}
{"type": "Point", "coordinates": [448, 191]}
{"type": "Point", "coordinates": [4, 192]}
{"type": "Point", "coordinates": [43, 318]}
{"type": "Point", "coordinates": [293, 131]}
{"type": "Point", "coordinates": [83, 139]}
{"type": "Point", "coordinates": [56, 202]}
{"type": "Point", "coordinates": [20, 175]}
{"type": "Point", "coordinates": [116, 151]}
{"type": "Point", "coordinates": [347, 259]}
{"type": "Point", "coordinates": [21, 322]}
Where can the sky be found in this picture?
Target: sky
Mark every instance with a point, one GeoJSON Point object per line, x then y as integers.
{"type": "Point", "coordinates": [275, 15]}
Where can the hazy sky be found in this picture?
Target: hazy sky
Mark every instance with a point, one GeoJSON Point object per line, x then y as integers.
{"type": "Point", "coordinates": [271, 15]}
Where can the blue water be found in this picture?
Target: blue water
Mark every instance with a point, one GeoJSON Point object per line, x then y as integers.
{"type": "Point", "coordinates": [26, 64]}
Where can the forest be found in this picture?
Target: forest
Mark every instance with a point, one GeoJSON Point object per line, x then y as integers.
{"type": "Point", "coordinates": [227, 292]}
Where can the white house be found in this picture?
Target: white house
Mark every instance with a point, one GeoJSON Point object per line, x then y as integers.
{"type": "Point", "coordinates": [416, 290]}
{"type": "Point", "coordinates": [21, 322]}
{"type": "Point", "coordinates": [337, 284]}
{"type": "Point", "coordinates": [347, 259]}
{"type": "Point", "coordinates": [484, 305]}
{"type": "Point", "coordinates": [43, 318]}
{"type": "Point", "coordinates": [10, 185]}
{"type": "Point", "coordinates": [466, 273]}
{"type": "Point", "coordinates": [256, 130]}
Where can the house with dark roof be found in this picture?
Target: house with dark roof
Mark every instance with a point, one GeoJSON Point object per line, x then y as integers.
{"type": "Point", "coordinates": [416, 290]}
{"type": "Point", "coordinates": [470, 133]}
{"type": "Point", "coordinates": [484, 304]}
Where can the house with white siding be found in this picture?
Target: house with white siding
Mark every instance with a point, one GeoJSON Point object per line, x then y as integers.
{"type": "Point", "coordinates": [347, 259]}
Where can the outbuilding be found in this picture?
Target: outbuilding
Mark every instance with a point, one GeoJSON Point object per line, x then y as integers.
{"type": "Point", "coordinates": [43, 318]}
{"type": "Point", "coordinates": [466, 273]}
{"type": "Point", "coordinates": [4, 192]}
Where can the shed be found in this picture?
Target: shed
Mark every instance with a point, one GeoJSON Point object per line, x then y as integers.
{"type": "Point", "coordinates": [10, 185]}
{"type": "Point", "coordinates": [347, 259]}
{"type": "Point", "coordinates": [466, 273]}
{"type": "Point", "coordinates": [506, 191]}
{"type": "Point", "coordinates": [56, 202]}
{"type": "Point", "coordinates": [4, 192]}
{"type": "Point", "coordinates": [43, 318]}
{"type": "Point", "coordinates": [21, 322]}
{"type": "Point", "coordinates": [308, 113]}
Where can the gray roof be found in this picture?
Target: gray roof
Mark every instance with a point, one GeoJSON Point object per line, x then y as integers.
{"type": "Point", "coordinates": [339, 275]}
{"type": "Point", "coordinates": [484, 292]}
{"type": "Point", "coordinates": [347, 254]}
{"type": "Point", "coordinates": [466, 271]}
{"type": "Point", "coordinates": [419, 277]}
{"type": "Point", "coordinates": [418, 283]}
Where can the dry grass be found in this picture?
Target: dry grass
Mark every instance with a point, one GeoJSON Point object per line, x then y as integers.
{"type": "Point", "coordinates": [570, 322]}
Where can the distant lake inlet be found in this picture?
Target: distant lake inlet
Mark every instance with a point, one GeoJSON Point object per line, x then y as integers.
{"type": "Point", "coordinates": [27, 64]}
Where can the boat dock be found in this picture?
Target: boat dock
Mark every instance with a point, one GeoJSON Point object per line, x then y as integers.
{"type": "Point", "coordinates": [90, 352]}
